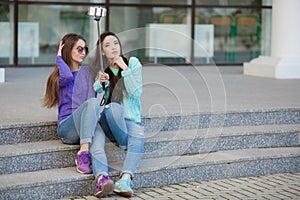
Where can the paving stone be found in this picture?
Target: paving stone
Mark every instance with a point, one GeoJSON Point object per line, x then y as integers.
{"type": "Point", "coordinates": [294, 188]}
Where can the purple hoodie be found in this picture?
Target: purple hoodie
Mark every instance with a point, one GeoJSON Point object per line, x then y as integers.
{"type": "Point", "coordinates": [74, 88]}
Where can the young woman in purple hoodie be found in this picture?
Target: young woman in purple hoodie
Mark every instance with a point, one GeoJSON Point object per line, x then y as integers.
{"type": "Point", "coordinates": [70, 86]}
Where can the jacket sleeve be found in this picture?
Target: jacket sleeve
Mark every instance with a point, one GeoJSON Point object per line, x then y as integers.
{"type": "Point", "coordinates": [98, 85]}
{"type": "Point", "coordinates": [65, 74]}
{"type": "Point", "coordinates": [133, 78]}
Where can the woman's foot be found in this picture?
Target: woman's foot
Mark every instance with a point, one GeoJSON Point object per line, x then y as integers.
{"type": "Point", "coordinates": [83, 162]}
{"type": "Point", "coordinates": [123, 186]}
{"type": "Point", "coordinates": [105, 186]}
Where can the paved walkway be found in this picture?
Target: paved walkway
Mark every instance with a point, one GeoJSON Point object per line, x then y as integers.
{"type": "Point", "coordinates": [165, 90]}
{"type": "Point", "coordinates": [272, 187]}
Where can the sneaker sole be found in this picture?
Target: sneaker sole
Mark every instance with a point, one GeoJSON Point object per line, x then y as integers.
{"type": "Point", "coordinates": [107, 189]}
{"type": "Point", "coordinates": [124, 193]}
{"type": "Point", "coordinates": [78, 170]}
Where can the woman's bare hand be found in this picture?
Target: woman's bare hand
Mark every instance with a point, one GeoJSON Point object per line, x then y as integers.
{"type": "Point", "coordinates": [103, 77]}
{"type": "Point", "coordinates": [61, 45]}
{"type": "Point", "coordinates": [119, 62]}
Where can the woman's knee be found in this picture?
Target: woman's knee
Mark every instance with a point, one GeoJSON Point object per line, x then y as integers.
{"type": "Point", "coordinates": [93, 105]}
{"type": "Point", "coordinates": [114, 110]}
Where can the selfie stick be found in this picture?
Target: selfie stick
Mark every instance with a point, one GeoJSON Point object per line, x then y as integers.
{"type": "Point", "coordinates": [98, 12]}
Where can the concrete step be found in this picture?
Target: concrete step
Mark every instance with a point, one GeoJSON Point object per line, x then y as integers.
{"type": "Point", "coordinates": [219, 139]}
{"type": "Point", "coordinates": [34, 132]}
{"type": "Point", "coordinates": [188, 121]}
{"type": "Point", "coordinates": [66, 182]}
{"type": "Point", "coordinates": [216, 165]}
{"type": "Point", "coordinates": [20, 133]}
{"type": "Point", "coordinates": [42, 155]}
{"type": "Point", "coordinates": [33, 156]}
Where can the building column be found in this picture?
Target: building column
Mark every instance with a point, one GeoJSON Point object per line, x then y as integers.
{"type": "Point", "coordinates": [284, 62]}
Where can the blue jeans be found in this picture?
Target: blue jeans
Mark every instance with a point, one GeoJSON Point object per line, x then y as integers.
{"type": "Point", "coordinates": [79, 127]}
{"type": "Point", "coordinates": [128, 134]}
{"type": "Point", "coordinates": [82, 127]}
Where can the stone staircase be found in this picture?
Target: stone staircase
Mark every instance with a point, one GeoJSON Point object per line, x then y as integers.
{"type": "Point", "coordinates": [34, 164]}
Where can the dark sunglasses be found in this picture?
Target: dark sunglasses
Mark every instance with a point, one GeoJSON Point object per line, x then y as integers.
{"type": "Point", "coordinates": [80, 49]}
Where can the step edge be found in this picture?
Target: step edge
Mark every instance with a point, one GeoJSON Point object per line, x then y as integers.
{"type": "Point", "coordinates": [153, 116]}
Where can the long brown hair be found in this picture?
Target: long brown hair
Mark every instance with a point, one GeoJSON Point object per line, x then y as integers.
{"type": "Point", "coordinates": [51, 97]}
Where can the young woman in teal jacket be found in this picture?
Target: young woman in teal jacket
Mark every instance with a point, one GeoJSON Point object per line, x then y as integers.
{"type": "Point", "coordinates": [121, 116]}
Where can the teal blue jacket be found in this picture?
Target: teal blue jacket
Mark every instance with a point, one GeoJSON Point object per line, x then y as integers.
{"type": "Point", "coordinates": [134, 88]}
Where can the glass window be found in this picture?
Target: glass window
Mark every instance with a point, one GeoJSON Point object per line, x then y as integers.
{"type": "Point", "coordinates": [224, 31]}
{"type": "Point", "coordinates": [7, 33]}
{"type": "Point", "coordinates": [266, 32]}
{"type": "Point", "coordinates": [42, 26]}
{"type": "Point", "coordinates": [172, 2]}
{"type": "Point", "coordinates": [152, 34]}
{"type": "Point", "coordinates": [238, 33]}
{"type": "Point", "coordinates": [229, 2]}
{"type": "Point", "coordinates": [73, 1]}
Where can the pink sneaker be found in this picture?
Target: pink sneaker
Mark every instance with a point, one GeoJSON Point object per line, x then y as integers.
{"type": "Point", "coordinates": [83, 162]}
{"type": "Point", "coordinates": [105, 186]}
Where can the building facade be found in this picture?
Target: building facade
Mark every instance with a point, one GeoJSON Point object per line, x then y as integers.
{"type": "Point", "coordinates": [199, 32]}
